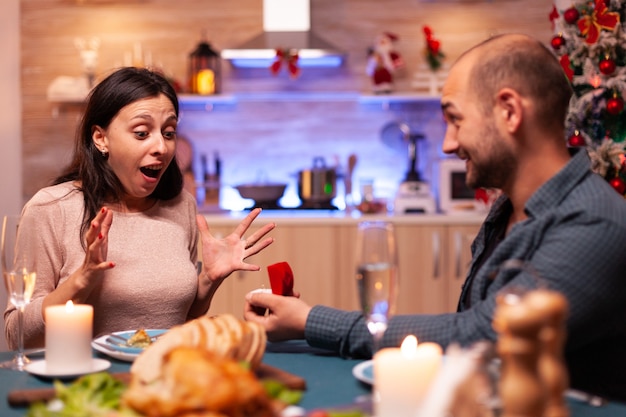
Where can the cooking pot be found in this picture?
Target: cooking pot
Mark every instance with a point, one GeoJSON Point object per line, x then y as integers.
{"type": "Point", "coordinates": [318, 184]}
{"type": "Point", "coordinates": [262, 193]}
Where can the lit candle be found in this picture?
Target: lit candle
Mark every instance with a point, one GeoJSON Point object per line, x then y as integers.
{"type": "Point", "coordinates": [68, 338]}
{"type": "Point", "coordinates": [402, 377]}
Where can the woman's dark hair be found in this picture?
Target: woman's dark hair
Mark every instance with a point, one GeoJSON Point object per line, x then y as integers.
{"type": "Point", "coordinates": [89, 167]}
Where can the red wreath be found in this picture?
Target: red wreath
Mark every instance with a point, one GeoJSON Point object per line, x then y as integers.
{"type": "Point", "coordinates": [288, 57]}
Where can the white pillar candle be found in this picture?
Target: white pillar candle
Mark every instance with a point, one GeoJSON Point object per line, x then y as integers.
{"type": "Point", "coordinates": [402, 377]}
{"type": "Point", "coordinates": [68, 338]}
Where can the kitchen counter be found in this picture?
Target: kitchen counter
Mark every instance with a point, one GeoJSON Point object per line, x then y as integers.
{"type": "Point", "coordinates": [340, 217]}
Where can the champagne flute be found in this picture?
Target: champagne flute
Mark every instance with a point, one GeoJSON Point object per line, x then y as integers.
{"type": "Point", "coordinates": [19, 278]}
{"type": "Point", "coordinates": [377, 275]}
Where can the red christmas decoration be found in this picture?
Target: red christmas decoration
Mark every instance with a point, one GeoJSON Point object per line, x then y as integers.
{"type": "Point", "coordinates": [618, 185]}
{"type": "Point", "coordinates": [591, 25]}
{"type": "Point", "coordinates": [576, 140]}
{"type": "Point", "coordinates": [571, 15]}
{"type": "Point", "coordinates": [288, 57]}
{"type": "Point", "coordinates": [554, 14]}
{"type": "Point", "coordinates": [615, 105]}
{"type": "Point", "coordinates": [567, 67]}
{"type": "Point", "coordinates": [607, 66]}
{"type": "Point", "coordinates": [382, 62]}
{"type": "Point", "coordinates": [557, 42]}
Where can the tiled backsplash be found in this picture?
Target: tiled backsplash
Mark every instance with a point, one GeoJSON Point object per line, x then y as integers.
{"type": "Point", "coordinates": [277, 137]}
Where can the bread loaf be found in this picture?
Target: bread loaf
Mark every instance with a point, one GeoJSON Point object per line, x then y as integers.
{"type": "Point", "coordinates": [223, 335]}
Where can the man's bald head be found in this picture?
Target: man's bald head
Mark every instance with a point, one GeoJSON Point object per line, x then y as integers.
{"type": "Point", "coordinates": [525, 65]}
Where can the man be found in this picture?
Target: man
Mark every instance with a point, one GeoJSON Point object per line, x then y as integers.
{"type": "Point", "coordinates": [505, 103]}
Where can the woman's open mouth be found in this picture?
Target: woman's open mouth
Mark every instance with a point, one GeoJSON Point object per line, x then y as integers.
{"type": "Point", "coordinates": [151, 171]}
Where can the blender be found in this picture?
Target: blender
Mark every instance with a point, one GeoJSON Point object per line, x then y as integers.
{"type": "Point", "coordinates": [413, 195]}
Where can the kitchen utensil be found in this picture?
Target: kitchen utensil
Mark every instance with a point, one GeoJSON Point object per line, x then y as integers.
{"type": "Point", "coordinates": [347, 181]}
{"type": "Point", "coordinates": [399, 136]}
{"type": "Point", "coordinates": [413, 194]}
{"type": "Point", "coordinates": [318, 184]}
{"type": "Point", "coordinates": [262, 193]}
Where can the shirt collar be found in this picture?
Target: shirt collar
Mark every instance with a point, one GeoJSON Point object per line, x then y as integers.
{"type": "Point", "coordinates": [549, 194]}
{"type": "Point", "coordinates": [559, 186]}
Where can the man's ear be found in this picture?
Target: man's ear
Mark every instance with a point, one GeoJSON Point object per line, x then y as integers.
{"type": "Point", "coordinates": [510, 109]}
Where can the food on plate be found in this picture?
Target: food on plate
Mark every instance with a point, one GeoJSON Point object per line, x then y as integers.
{"type": "Point", "coordinates": [93, 395]}
{"type": "Point", "coordinates": [224, 335]}
{"type": "Point", "coordinates": [203, 368]}
{"type": "Point", "coordinates": [104, 395]}
{"type": "Point", "coordinates": [140, 339]}
{"type": "Point", "coordinates": [200, 382]}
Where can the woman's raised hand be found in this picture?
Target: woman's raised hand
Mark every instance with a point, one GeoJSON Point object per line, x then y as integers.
{"type": "Point", "coordinates": [221, 257]}
{"type": "Point", "coordinates": [97, 241]}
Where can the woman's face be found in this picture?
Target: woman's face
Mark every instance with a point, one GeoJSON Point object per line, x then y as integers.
{"type": "Point", "coordinates": [141, 143]}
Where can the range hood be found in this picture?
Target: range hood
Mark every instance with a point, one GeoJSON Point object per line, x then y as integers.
{"type": "Point", "coordinates": [286, 25]}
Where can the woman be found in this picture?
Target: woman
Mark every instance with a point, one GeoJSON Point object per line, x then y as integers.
{"type": "Point", "coordinates": [116, 230]}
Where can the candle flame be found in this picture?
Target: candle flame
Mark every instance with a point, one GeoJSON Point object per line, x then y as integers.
{"type": "Point", "coordinates": [69, 307]}
{"type": "Point", "coordinates": [409, 345]}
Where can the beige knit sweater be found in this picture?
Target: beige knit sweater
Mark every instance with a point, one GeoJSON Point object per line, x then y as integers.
{"type": "Point", "coordinates": [153, 283]}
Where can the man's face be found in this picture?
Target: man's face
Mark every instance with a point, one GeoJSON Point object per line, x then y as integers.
{"type": "Point", "coordinates": [473, 135]}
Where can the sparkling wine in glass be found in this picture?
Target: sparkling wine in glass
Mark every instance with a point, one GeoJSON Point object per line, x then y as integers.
{"type": "Point", "coordinates": [376, 275]}
{"type": "Point", "coordinates": [19, 278]}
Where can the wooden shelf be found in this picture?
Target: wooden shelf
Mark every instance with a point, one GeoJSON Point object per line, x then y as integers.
{"type": "Point", "coordinates": [208, 103]}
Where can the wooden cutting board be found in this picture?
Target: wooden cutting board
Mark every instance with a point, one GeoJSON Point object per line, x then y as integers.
{"type": "Point", "coordinates": [25, 397]}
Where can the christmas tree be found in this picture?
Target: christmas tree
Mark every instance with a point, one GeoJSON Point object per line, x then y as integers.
{"type": "Point", "coordinates": [591, 45]}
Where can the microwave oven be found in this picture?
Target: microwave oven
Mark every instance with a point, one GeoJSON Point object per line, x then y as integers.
{"type": "Point", "coordinates": [454, 195]}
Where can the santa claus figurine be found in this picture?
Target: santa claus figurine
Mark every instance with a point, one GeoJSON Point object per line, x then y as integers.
{"type": "Point", "coordinates": [383, 61]}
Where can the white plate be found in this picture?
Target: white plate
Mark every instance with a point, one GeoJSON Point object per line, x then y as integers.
{"type": "Point", "coordinates": [39, 368]}
{"type": "Point", "coordinates": [103, 345]}
{"type": "Point", "coordinates": [364, 372]}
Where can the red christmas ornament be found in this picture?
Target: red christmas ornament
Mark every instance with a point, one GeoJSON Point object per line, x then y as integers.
{"type": "Point", "coordinates": [289, 57]}
{"type": "Point", "coordinates": [576, 140]}
{"type": "Point", "coordinates": [615, 105]}
{"type": "Point", "coordinates": [557, 42]}
{"type": "Point", "coordinates": [618, 185]}
{"type": "Point", "coordinates": [607, 66]}
{"type": "Point", "coordinates": [571, 15]}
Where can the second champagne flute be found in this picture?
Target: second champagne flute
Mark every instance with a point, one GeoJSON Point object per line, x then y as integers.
{"type": "Point", "coordinates": [19, 278]}
{"type": "Point", "coordinates": [377, 275]}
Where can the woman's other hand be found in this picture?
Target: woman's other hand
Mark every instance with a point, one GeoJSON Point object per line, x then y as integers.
{"type": "Point", "coordinates": [97, 241]}
{"type": "Point", "coordinates": [221, 257]}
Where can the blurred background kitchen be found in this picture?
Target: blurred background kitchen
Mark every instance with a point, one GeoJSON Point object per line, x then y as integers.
{"type": "Point", "coordinates": [261, 126]}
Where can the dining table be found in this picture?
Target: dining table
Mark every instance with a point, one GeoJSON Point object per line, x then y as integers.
{"type": "Point", "coordinates": [330, 381]}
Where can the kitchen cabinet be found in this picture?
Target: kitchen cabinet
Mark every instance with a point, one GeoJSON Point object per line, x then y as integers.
{"type": "Point", "coordinates": [433, 262]}
{"type": "Point", "coordinates": [313, 252]}
{"type": "Point", "coordinates": [433, 254]}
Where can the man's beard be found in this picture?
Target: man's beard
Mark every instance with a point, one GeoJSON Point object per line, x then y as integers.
{"type": "Point", "coordinates": [492, 169]}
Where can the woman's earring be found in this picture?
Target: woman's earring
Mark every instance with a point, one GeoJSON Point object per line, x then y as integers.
{"type": "Point", "coordinates": [104, 153]}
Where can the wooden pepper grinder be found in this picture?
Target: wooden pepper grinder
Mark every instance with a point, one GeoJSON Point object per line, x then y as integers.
{"type": "Point", "coordinates": [552, 306]}
{"type": "Point", "coordinates": [531, 339]}
{"type": "Point", "coordinates": [520, 387]}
